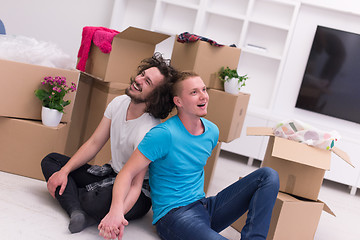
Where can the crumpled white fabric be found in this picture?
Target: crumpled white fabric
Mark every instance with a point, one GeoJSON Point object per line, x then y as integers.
{"type": "Point", "coordinates": [29, 50]}
{"type": "Point", "coordinates": [301, 132]}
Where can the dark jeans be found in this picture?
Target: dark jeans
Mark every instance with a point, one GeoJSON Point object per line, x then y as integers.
{"type": "Point", "coordinates": [95, 203]}
{"type": "Point", "coordinates": [204, 219]}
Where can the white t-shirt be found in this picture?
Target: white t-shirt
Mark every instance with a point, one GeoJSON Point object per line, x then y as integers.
{"type": "Point", "coordinates": [126, 135]}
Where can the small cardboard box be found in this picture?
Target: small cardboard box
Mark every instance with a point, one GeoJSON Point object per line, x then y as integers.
{"type": "Point", "coordinates": [210, 166]}
{"type": "Point", "coordinates": [301, 167]}
{"type": "Point", "coordinates": [228, 112]}
{"type": "Point", "coordinates": [24, 143]}
{"type": "Point", "coordinates": [292, 218]}
{"type": "Point", "coordinates": [203, 58]}
{"type": "Point", "coordinates": [129, 48]}
{"type": "Point", "coordinates": [18, 83]}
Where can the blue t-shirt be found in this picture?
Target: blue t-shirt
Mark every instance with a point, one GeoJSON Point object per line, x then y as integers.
{"type": "Point", "coordinates": [177, 163]}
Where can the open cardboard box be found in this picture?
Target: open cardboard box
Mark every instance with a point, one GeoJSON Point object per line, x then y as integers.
{"type": "Point", "coordinates": [301, 167]}
{"type": "Point", "coordinates": [18, 83]}
{"type": "Point", "coordinates": [292, 218]}
{"type": "Point", "coordinates": [129, 48]}
{"type": "Point", "coordinates": [203, 58]}
{"type": "Point", "coordinates": [228, 112]}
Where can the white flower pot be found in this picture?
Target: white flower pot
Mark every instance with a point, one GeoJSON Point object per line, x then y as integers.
{"type": "Point", "coordinates": [50, 117]}
{"type": "Point", "coordinates": [231, 85]}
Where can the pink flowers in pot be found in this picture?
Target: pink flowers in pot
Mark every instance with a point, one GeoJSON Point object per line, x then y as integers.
{"type": "Point", "coordinates": [55, 90]}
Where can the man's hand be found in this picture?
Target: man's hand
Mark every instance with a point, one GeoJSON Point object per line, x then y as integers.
{"type": "Point", "coordinates": [56, 180]}
{"type": "Point", "coordinates": [112, 226]}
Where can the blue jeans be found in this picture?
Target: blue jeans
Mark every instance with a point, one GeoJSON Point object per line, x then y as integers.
{"type": "Point", "coordinates": [205, 218]}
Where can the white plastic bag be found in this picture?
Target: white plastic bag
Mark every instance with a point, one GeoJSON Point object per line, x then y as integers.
{"type": "Point", "coordinates": [304, 133]}
{"type": "Point", "coordinates": [29, 50]}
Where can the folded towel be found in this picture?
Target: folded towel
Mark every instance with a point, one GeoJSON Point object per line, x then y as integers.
{"type": "Point", "coordinates": [101, 36]}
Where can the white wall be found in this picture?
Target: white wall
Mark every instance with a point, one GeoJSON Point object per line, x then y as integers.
{"type": "Point", "coordinates": [308, 19]}
{"type": "Point", "coordinates": [57, 21]}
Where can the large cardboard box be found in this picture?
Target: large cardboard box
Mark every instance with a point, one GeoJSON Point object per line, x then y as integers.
{"type": "Point", "coordinates": [292, 218]}
{"type": "Point", "coordinates": [301, 167]}
{"type": "Point", "coordinates": [210, 166]}
{"type": "Point", "coordinates": [101, 95]}
{"type": "Point", "coordinates": [92, 98]}
{"type": "Point", "coordinates": [18, 83]}
{"type": "Point", "coordinates": [80, 114]}
{"type": "Point", "coordinates": [24, 143]}
{"type": "Point", "coordinates": [228, 112]}
{"type": "Point", "coordinates": [129, 48]}
{"type": "Point", "coordinates": [203, 58]}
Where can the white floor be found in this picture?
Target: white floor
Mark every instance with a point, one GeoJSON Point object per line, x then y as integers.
{"type": "Point", "coordinates": [27, 211]}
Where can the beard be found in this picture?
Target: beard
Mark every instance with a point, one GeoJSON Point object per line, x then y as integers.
{"type": "Point", "coordinates": [135, 99]}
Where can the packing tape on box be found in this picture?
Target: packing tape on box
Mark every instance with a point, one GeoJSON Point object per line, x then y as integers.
{"type": "Point", "coordinates": [290, 184]}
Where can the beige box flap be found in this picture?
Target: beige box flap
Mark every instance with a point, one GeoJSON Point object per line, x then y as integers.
{"type": "Point", "coordinates": [301, 153]}
{"type": "Point", "coordinates": [140, 35]}
{"type": "Point", "coordinates": [343, 155]}
{"type": "Point", "coordinates": [259, 131]}
{"type": "Point", "coordinates": [288, 198]}
{"type": "Point", "coordinates": [327, 208]}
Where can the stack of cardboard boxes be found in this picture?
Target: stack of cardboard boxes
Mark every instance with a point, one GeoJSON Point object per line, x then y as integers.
{"type": "Point", "coordinates": [110, 76]}
{"type": "Point", "coordinates": [24, 141]}
{"type": "Point", "coordinates": [301, 169]}
{"type": "Point", "coordinates": [226, 110]}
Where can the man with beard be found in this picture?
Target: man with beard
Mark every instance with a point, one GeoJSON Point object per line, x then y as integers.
{"type": "Point", "coordinates": [176, 152]}
{"type": "Point", "coordinates": [84, 191]}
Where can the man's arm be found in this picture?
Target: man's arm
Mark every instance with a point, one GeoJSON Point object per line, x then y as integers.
{"type": "Point", "coordinates": [113, 224]}
{"type": "Point", "coordinates": [85, 153]}
{"type": "Point", "coordinates": [134, 191]}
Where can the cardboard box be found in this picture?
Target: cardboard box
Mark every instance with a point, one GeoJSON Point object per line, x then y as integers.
{"type": "Point", "coordinates": [129, 48]}
{"type": "Point", "coordinates": [210, 166]}
{"type": "Point", "coordinates": [203, 58]}
{"type": "Point", "coordinates": [18, 83]}
{"type": "Point", "coordinates": [101, 95]}
{"type": "Point", "coordinates": [80, 114]}
{"type": "Point", "coordinates": [292, 218]}
{"type": "Point", "coordinates": [24, 143]}
{"type": "Point", "coordinates": [228, 112]}
{"type": "Point", "coordinates": [301, 167]}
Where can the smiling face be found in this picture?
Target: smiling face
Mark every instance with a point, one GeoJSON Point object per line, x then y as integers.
{"type": "Point", "coordinates": [143, 84]}
{"type": "Point", "coordinates": [192, 98]}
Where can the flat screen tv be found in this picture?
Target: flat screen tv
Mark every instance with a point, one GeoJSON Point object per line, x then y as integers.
{"type": "Point", "coordinates": [331, 81]}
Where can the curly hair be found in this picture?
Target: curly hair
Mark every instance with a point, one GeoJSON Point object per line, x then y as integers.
{"type": "Point", "coordinates": [160, 102]}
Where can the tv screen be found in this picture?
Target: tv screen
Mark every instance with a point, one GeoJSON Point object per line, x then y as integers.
{"type": "Point", "coordinates": [331, 82]}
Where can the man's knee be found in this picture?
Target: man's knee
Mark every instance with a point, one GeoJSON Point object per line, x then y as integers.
{"type": "Point", "coordinates": [52, 163]}
{"type": "Point", "coordinates": [272, 176]}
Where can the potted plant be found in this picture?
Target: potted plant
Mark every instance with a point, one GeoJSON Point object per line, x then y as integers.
{"type": "Point", "coordinates": [52, 98]}
{"type": "Point", "coordinates": [232, 80]}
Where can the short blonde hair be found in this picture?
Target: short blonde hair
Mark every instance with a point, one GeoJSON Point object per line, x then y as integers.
{"type": "Point", "coordinates": [176, 88]}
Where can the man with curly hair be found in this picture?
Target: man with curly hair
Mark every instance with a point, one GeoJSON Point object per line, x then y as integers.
{"type": "Point", "coordinates": [85, 191]}
{"type": "Point", "coordinates": [176, 152]}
